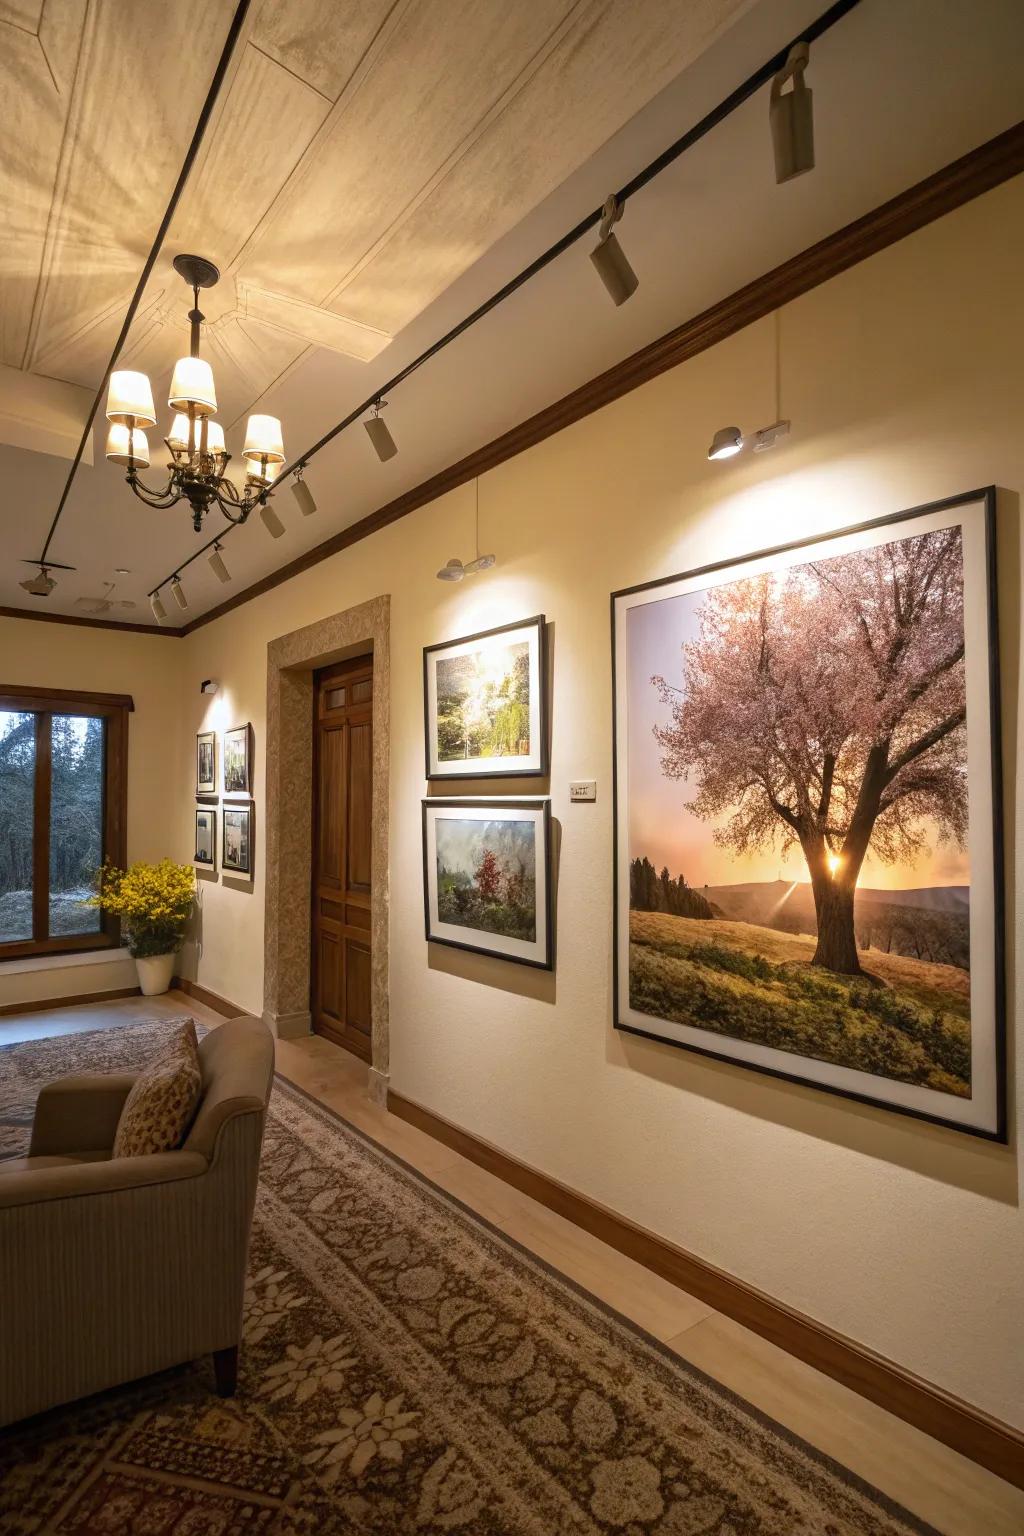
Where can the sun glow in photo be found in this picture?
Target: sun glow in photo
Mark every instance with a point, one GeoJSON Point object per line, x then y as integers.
{"type": "Point", "coordinates": [834, 864]}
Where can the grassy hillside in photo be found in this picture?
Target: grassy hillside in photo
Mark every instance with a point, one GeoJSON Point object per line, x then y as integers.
{"type": "Point", "coordinates": [906, 1020]}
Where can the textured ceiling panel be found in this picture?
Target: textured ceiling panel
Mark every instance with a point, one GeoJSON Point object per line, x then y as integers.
{"type": "Point", "coordinates": [322, 41]}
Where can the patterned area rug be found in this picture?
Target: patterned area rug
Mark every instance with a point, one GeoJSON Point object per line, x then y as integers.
{"type": "Point", "coordinates": [406, 1369]}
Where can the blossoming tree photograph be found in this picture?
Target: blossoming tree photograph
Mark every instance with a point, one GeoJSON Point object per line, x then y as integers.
{"type": "Point", "coordinates": [808, 854]}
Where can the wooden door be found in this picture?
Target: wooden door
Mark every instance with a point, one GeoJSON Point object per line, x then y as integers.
{"type": "Point", "coordinates": [342, 816]}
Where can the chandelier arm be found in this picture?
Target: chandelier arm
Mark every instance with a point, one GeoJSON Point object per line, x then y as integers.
{"type": "Point", "coordinates": [244, 508]}
{"type": "Point", "coordinates": [152, 498]}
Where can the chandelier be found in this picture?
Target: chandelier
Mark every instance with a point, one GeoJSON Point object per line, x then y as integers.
{"type": "Point", "coordinates": [199, 460]}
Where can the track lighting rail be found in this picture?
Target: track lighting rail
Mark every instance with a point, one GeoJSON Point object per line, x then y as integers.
{"type": "Point", "coordinates": [761, 77]}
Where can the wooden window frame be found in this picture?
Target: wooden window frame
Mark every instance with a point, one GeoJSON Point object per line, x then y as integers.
{"type": "Point", "coordinates": [114, 708]}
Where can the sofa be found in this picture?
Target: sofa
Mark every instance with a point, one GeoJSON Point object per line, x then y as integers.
{"type": "Point", "coordinates": [113, 1268]}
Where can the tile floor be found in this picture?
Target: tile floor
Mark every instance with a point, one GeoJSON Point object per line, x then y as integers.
{"type": "Point", "coordinates": [941, 1487]}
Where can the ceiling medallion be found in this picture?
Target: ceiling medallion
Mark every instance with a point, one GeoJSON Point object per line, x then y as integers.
{"type": "Point", "coordinates": [199, 460]}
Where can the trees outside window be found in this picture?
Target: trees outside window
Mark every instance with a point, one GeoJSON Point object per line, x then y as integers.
{"type": "Point", "coordinates": [62, 813]}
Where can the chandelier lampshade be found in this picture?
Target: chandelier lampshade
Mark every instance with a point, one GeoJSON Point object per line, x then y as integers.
{"type": "Point", "coordinates": [263, 442]}
{"type": "Point", "coordinates": [130, 399]}
{"type": "Point", "coordinates": [192, 384]}
{"type": "Point", "coordinates": [127, 445]}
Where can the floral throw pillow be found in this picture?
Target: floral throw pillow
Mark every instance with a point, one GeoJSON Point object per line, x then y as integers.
{"type": "Point", "coordinates": [163, 1099]}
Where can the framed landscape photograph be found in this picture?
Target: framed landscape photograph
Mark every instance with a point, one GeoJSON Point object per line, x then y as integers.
{"type": "Point", "coordinates": [206, 837]}
{"type": "Point", "coordinates": [808, 814]}
{"type": "Point", "coordinates": [238, 761]}
{"type": "Point", "coordinates": [485, 704]}
{"type": "Point", "coordinates": [237, 840]}
{"type": "Point", "coordinates": [487, 877]}
{"type": "Point", "coordinates": [206, 763]}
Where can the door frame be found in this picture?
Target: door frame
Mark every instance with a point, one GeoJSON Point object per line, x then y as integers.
{"type": "Point", "coordinates": [288, 845]}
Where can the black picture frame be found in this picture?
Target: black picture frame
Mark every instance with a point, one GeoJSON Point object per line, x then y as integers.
{"type": "Point", "coordinates": [477, 769]}
{"type": "Point", "coordinates": [997, 1131]}
{"type": "Point", "coordinates": [244, 790]}
{"type": "Point", "coordinates": [544, 881]}
{"type": "Point", "coordinates": [228, 865]}
{"type": "Point", "coordinates": [211, 862]}
{"type": "Point", "coordinates": [206, 786]}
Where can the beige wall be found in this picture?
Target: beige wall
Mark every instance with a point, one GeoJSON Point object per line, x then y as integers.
{"type": "Point", "coordinates": [904, 382]}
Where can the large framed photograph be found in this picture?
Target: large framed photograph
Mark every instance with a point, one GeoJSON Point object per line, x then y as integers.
{"type": "Point", "coordinates": [237, 840]}
{"type": "Point", "coordinates": [237, 767]}
{"type": "Point", "coordinates": [485, 704]}
{"type": "Point", "coordinates": [206, 763]}
{"type": "Point", "coordinates": [808, 814]}
{"type": "Point", "coordinates": [205, 856]}
{"type": "Point", "coordinates": [487, 877]}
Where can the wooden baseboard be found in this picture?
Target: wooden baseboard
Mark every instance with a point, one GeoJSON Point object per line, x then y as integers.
{"type": "Point", "coordinates": [44, 1004]}
{"type": "Point", "coordinates": [221, 1005]}
{"type": "Point", "coordinates": [969, 1430]}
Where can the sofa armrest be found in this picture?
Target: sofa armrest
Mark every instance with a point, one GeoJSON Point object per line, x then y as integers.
{"type": "Point", "coordinates": [75, 1180]}
{"type": "Point", "coordinates": [79, 1114]}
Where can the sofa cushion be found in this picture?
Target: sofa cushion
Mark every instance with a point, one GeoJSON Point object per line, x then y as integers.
{"type": "Point", "coordinates": [163, 1100]}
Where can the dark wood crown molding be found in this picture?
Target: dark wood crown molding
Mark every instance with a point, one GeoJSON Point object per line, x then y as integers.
{"type": "Point", "coordinates": [973, 174]}
{"type": "Point", "coordinates": [72, 618]}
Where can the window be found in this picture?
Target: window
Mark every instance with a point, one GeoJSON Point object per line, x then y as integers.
{"type": "Point", "coordinates": [63, 759]}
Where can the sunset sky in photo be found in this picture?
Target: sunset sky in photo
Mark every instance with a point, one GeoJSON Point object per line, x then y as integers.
{"type": "Point", "coordinates": [661, 825]}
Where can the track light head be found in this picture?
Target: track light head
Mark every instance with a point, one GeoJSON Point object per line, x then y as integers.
{"type": "Point", "coordinates": [159, 611]}
{"type": "Point", "coordinates": [726, 442]}
{"type": "Point", "coordinates": [208, 685]}
{"type": "Point", "coordinates": [304, 496]}
{"type": "Point", "coordinates": [453, 571]}
{"type": "Point", "coordinates": [610, 259]}
{"type": "Point", "coordinates": [216, 563]}
{"type": "Point", "coordinates": [40, 585]}
{"type": "Point", "coordinates": [178, 592]}
{"type": "Point", "coordinates": [791, 116]}
{"type": "Point", "coordinates": [379, 434]}
{"type": "Point", "coordinates": [271, 522]}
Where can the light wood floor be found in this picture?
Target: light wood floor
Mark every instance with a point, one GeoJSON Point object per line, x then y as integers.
{"type": "Point", "coordinates": [951, 1493]}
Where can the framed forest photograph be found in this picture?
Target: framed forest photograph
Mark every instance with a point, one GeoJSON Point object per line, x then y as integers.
{"type": "Point", "coordinates": [206, 763]}
{"type": "Point", "coordinates": [237, 767]}
{"type": "Point", "coordinates": [487, 877]}
{"type": "Point", "coordinates": [237, 840]}
{"type": "Point", "coordinates": [205, 856]}
{"type": "Point", "coordinates": [485, 704]}
{"type": "Point", "coordinates": [808, 814]}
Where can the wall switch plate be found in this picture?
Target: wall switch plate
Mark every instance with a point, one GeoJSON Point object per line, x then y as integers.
{"type": "Point", "coordinates": [582, 789]}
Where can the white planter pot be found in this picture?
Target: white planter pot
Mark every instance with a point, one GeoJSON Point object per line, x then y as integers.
{"type": "Point", "coordinates": [155, 973]}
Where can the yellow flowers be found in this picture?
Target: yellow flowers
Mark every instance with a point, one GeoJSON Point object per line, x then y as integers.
{"type": "Point", "coordinates": [153, 901]}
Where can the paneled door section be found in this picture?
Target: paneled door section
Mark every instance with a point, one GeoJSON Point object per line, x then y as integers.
{"type": "Point", "coordinates": [342, 816]}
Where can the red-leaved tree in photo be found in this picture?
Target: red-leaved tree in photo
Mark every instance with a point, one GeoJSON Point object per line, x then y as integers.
{"type": "Point", "coordinates": [825, 705]}
{"type": "Point", "coordinates": [488, 876]}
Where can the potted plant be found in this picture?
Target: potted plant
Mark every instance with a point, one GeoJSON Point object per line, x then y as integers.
{"type": "Point", "coordinates": [154, 903]}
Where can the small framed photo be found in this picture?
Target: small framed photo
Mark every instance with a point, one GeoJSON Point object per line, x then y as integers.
{"type": "Point", "coordinates": [206, 763]}
{"type": "Point", "coordinates": [238, 761]}
{"type": "Point", "coordinates": [206, 837]}
{"type": "Point", "coordinates": [487, 878]}
{"type": "Point", "coordinates": [485, 704]}
{"type": "Point", "coordinates": [238, 828]}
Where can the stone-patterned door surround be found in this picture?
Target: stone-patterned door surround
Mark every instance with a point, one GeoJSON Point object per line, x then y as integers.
{"type": "Point", "coordinates": [291, 661]}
